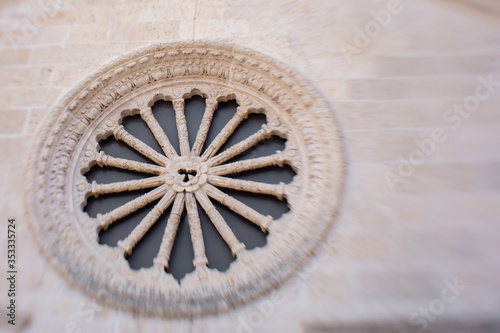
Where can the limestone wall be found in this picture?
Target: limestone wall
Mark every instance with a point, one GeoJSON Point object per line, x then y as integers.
{"type": "Point", "coordinates": [411, 80]}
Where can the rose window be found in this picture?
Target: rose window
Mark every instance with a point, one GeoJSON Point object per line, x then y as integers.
{"type": "Point", "coordinates": [183, 180]}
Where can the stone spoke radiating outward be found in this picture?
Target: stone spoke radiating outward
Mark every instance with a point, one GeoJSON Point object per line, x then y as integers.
{"type": "Point", "coordinates": [182, 130]}
{"type": "Point", "coordinates": [121, 134]}
{"type": "Point", "coordinates": [277, 190]}
{"type": "Point", "coordinates": [158, 132]}
{"type": "Point", "coordinates": [277, 159]}
{"type": "Point", "coordinates": [219, 223]}
{"type": "Point", "coordinates": [226, 132]}
{"type": "Point", "coordinates": [242, 146]}
{"type": "Point", "coordinates": [206, 121]}
{"type": "Point", "coordinates": [167, 243]}
{"type": "Point", "coordinates": [200, 258]}
{"type": "Point", "coordinates": [105, 160]}
{"type": "Point", "coordinates": [131, 185]}
{"type": "Point", "coordinates": [147, 222]}
{"type": "Point", "coordinates": [240, 208]}
{"type": "Point", "coordinates": [118, 213]}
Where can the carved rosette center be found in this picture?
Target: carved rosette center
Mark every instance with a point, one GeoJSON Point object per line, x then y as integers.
{"type": "Point", "coordinates": [186, 174]}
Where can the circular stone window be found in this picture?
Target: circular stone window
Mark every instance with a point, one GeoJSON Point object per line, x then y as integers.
{"type": "Point", "coordinates": [188, 177]}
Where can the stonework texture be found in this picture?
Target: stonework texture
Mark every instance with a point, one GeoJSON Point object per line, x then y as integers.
{"type": "Point", "coordinates": [415, 89]}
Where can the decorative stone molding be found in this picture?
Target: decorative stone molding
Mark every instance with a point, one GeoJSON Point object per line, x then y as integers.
{"type": "Point", "coordinates": [68, 146]}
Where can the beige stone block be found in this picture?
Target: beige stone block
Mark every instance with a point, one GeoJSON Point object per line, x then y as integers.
{"type": "Point", "coordinates": [13, 205]}
{"type": "Point", "coordinates": [68, 16]}
{"type": "Point", "coordinates": [37, 117]}
{"type": "Point", "coordinates": [334, 89]}
{"type": "Point", "coordinates": [394, 284]}
{"type": "Point", "coordinates": [34, 76]}
{"type": "Point", "coordinates": [469, 143]}
{"type": "Point", "coordinates": [88, 33]}
{"type": "Point", "coordinates": [79, 12]}
{"type": "Point", "coordinates": [485, 175]}
{"type": "Point", "coordinates": [186, 29]}
{"type": "Point", "coordinates": [329, 286]}
{"type": "Point", "coordinates": [164, 31]}
{"type": "Point", "coordinates": [372, 246]}
{"type": "Point", "coordinates": [375, 146]}
{"type": "Point", "coordinates": [222, 29]}
{"type": "Point", "coordinates": [98, 3]}
{"type": "Point", "coordinates": [403, 43]}
{"type": "Point", "coordinates": [441, 177]}
{"type": "Point", "coordinates": [210, 9]}
{"type": "Point", "coordinates": [419, 66]}
{"type": "Point", "coordinates": [12, 19]}
{"type": "Point", "coordinates": [14, 57]}
{"type": "Point", "coordinates": [367, 204]}
{"type": "Point", "coordinates": [460, 212]}
{"type": "Point", "coordinates": [167, 11]}
{"type": "Point", "coordinates": [487, 112]}
{"type": "Point", "coordinates": [359, 115]}
{"type": "Point", "coordinates": [115, 14]}
{"type": "Point", "coordinates": [15, 151]}
{"type": "Point", "coordinates": [4, 179]}
{"type": "Point", "coordinates": [212, 324]}
{"type": "Point", "coordinates": [448, 249]}
{"type": "Point", "coordinates": [29, 97]}
{"type": "Point", "coordinates": [13, 121]}
{"type": "Point", "coordinates": [81, 54]}
{"type": "Point", "coordinates": [411, 88]}
{"type": "Point", "coordinates": [331, 67]}
{"type": "Point", "coordinates": [318, 26]}
{"type": "Point", "coordinates": [255, 9]}
{"type": "Point", "coordinates": [130, 46]}
{"type": "Point", "coordinates": [437, 32]}
{"type": "Point", "coordinates": [69, 75]}
{"type": "Point", "coordinates": [44, 35]}
{"type": "Point", "coordinates": [276, 47]}
{"type": "Point", "coordinates": [436, 177]}
{"type": "Point", "coordinates": [356, 115]}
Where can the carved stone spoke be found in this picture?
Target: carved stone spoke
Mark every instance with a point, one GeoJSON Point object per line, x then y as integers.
{"type": "Point", "coordinates": [226, 132]}
{"type": "Point", "coordinates": [240, 147]}
{"type": "Point", "coordinates": [277, 159]}
{"type": "Point", "coordinates": [118, 213]}
{"type": "Point", "coordinates": [206, 121]}
{"type": "Point", "coordinates": [219, 223]}
{"type": "Point", "coordinates": [240, 208]}
{"type": "Point", "coordinates": [182, 129]}
{"type": "Point", "coordinates": [159, 134]}
{"type": "Point", "coordinates": [121, 134]}
{"type": "Point", "coordinates": [131, 185]}
{"type": "Point", "coordinates": [200, 258]}
{"type": "Point", "coordinates": [140, 230]}
{"type": "Point", "coordinates": [167, 243]}
{"type": "Point", "coordinates": [105, 160]}
{"type": "Point", "coordinates": [277, 190]}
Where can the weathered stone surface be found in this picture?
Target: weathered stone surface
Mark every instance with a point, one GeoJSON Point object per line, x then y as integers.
{"type": "Point", "coordinates": [430, 228]}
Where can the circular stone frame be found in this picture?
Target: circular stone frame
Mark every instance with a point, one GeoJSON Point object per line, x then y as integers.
{"type": "Point", "coordinates": [66, 147]}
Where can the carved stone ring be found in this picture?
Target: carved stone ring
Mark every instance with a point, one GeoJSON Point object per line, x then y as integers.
{"type": "Point", "coordinates": [186, 179]}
